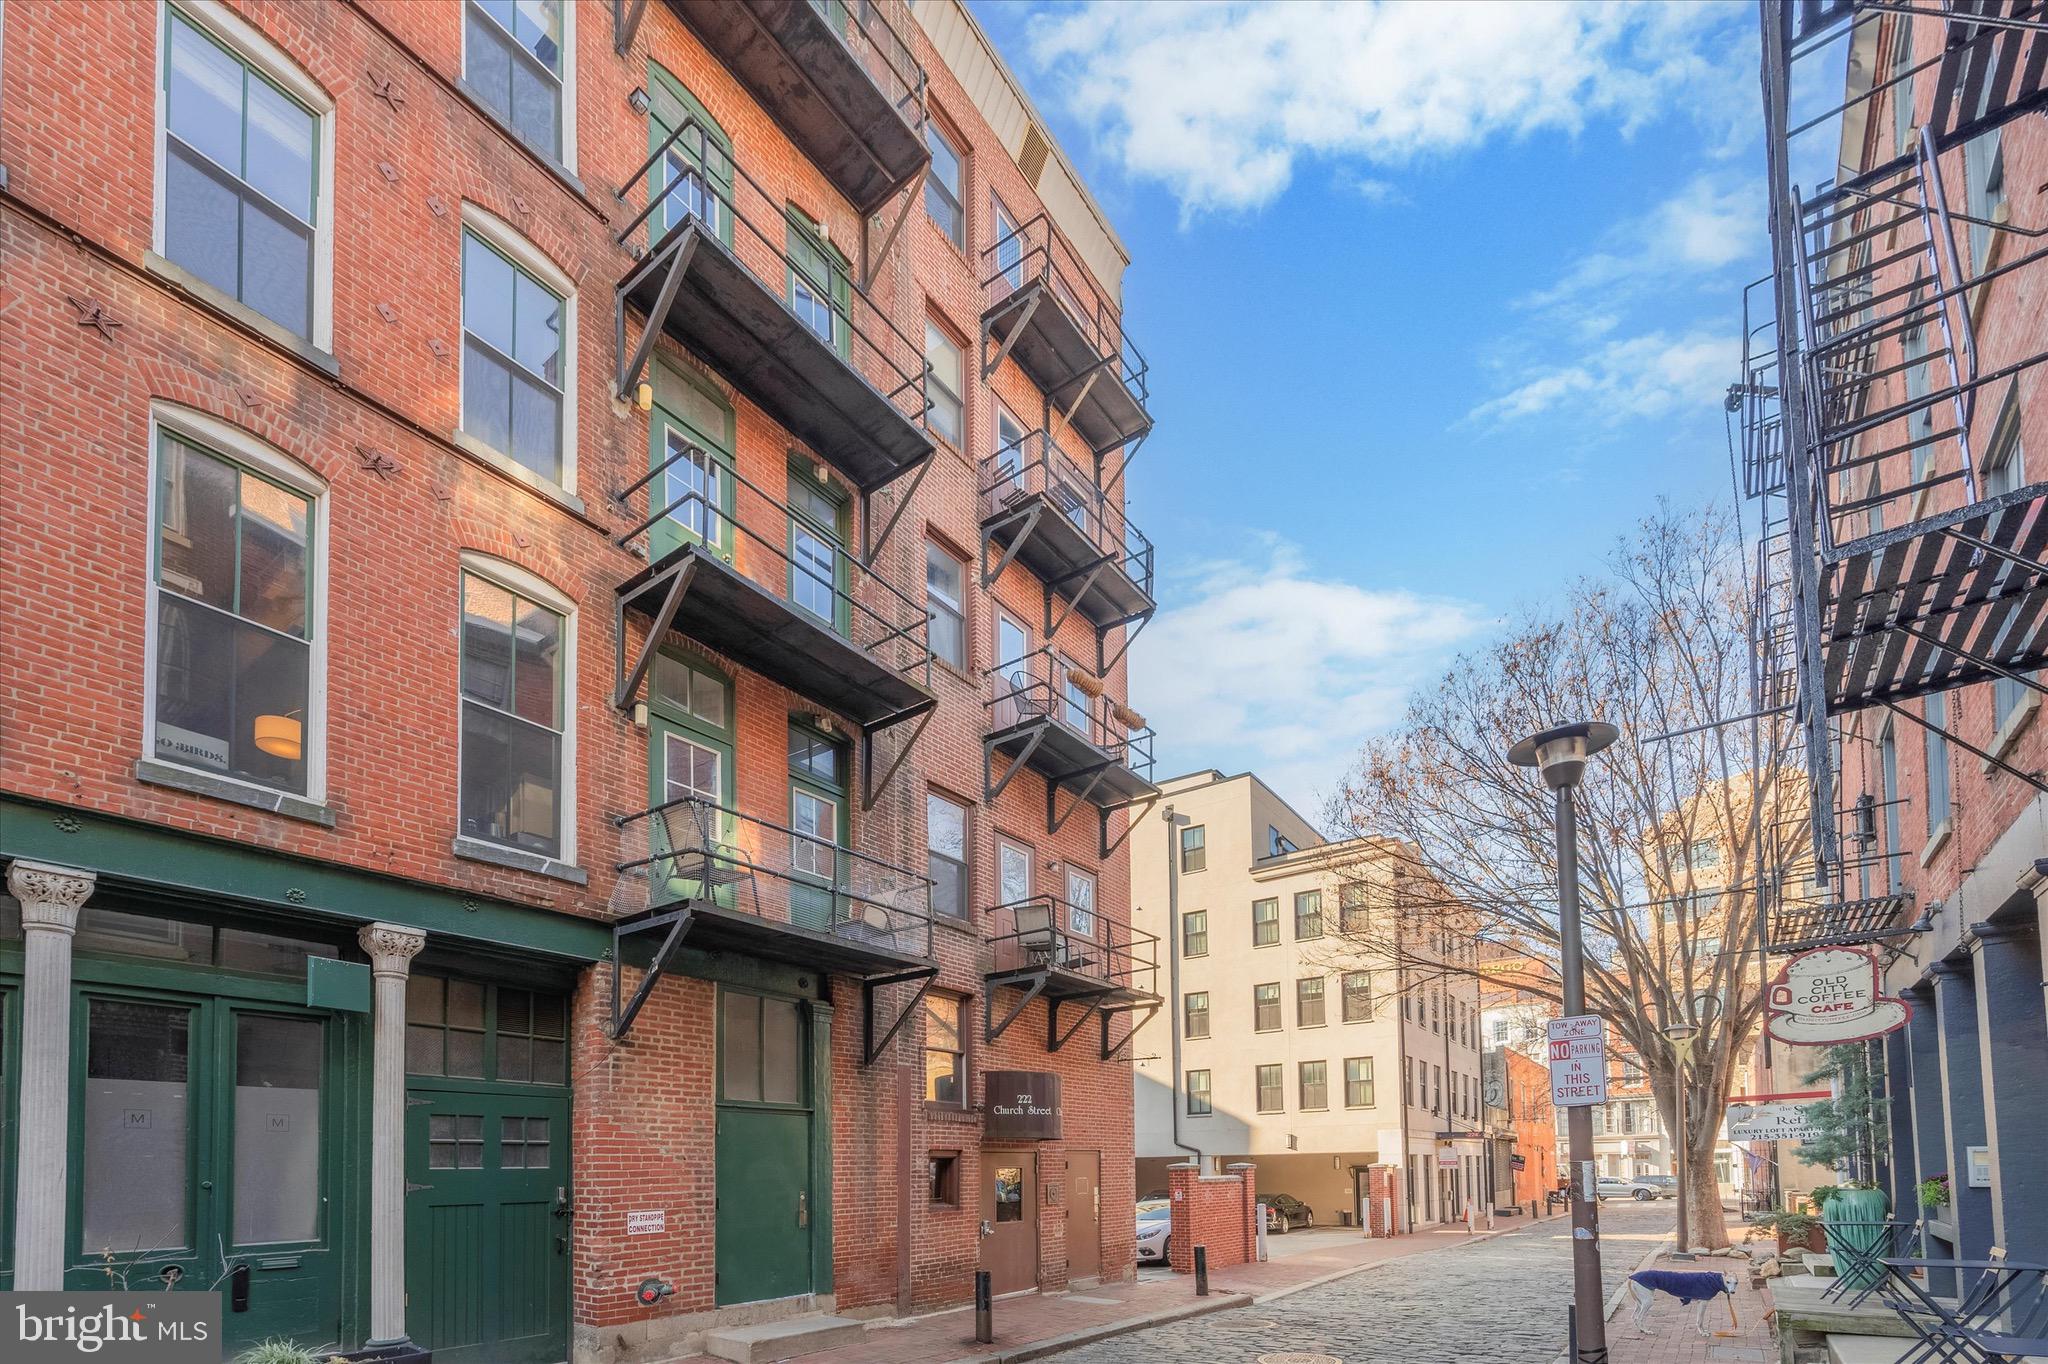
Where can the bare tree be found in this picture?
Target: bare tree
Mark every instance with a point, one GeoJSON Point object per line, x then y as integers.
{"type": "Point", "coordinates": [1685, 825]}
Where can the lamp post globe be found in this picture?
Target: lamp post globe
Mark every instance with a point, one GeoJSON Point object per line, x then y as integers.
{"type": "Point", "coordinates": [1560, 752]}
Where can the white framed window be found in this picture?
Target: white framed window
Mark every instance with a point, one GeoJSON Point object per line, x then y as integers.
{"type": "Point", "coordinates": [1010, 434]}
{"type": "Point", "coordinates": [519, 60]}
{"type": "Point", "coordinates": [945, 597]}
{"type": "Point", "coordinates": [948, 414]}
{"type": "Point", "coordinates": [236, 653]}
{"type": "Point", "coordinates": [1013, 872]}
{"type": "Point", "coordinates": [517, 785]}
{"type": "Point", "coordinates": [945, 840]}
{"type": "Point", "coordinates": [518, 350]}
{"type": "Point", "coordinates": [1080, 902]}
{"type": "Point", "coordinates": [244, 165]}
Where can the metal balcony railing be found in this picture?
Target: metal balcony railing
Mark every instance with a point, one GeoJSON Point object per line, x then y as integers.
{"type": "Point", "coordinates": [1042, 686]}
{"type": "Point", "coordinates": [1044, 932]}
{"type": "Point", "coordinates": [877, 44]}
{"type": "Point", "coordinates": [692, 497]}
{"type": "Point", "coordinates": [692, 178]}
{"type": "Point", "coordinates": [1036, 253]}
{"type": "Point", "coordinates": [1036, 466]}
{"type": "Point", "coordinates": [693, 851]}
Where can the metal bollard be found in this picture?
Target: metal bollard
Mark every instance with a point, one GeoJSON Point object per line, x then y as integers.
{"type": "Point", "coordinates": [1201, 1271]}
{"type": "Point", "coordinates": [984, 1309]}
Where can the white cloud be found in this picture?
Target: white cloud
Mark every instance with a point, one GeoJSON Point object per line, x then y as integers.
{"type": "Point", "coordinates": [1259, 664]}
{"type": "Point", "coordinates": [1219, 100]}
{"type": "Point", "coordinates": [1709, 223]}
{"type": "Point", "coordinates": [1636, 377]}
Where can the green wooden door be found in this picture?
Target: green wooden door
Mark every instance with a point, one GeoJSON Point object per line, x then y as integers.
{"type": "Point", "coordinates": [819, 867]}
{"type": "Point", "coordinates": [205, 1145]}
{"type": "Point", "coordinates": [690, 440]}
{"type": "Point", "coordinates": [766, 1216]}
{"type": "Point", "coordinates": [689, 736]}
{"type": "Point", "coordinates": [694, 177]}
{"type": "Point", "coordinates": [487, 1225]}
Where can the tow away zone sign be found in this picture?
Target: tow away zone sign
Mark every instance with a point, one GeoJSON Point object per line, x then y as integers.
{"type": "Point", "coordinates": [1578, 1061]}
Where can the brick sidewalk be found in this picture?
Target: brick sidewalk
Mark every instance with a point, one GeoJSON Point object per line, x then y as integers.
{"type": "Point", "coordinates": [1030, 1324]}
{"type": "Point", "coordinates": [1672, 1338]}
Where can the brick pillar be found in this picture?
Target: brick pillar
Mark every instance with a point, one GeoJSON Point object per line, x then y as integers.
{"type": "Point", "coordinates": [1182, 1183]}
{"type": "Point", "coordinates": [1248, 1206]}
{"type": "Point", "coordinates": [1381, 1189]}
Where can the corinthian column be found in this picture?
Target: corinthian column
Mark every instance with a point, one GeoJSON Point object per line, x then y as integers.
{"type": "Point", "coordinates": [391, 948]}
{"type": "Point", "coordinates": [50, 899]}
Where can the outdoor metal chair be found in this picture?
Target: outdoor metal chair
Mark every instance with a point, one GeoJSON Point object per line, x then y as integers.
{"type": "Point", "coordinates": [1999, 1316]}
{"type": "Point", "coordinates": [1860, 1250]}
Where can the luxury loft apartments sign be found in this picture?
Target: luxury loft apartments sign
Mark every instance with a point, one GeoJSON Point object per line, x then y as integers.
{"type": "Point", "coordinates": [1023, 1105]}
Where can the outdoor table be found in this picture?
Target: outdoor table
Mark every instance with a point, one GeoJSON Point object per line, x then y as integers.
{"type": "Point", "coordinates": [1860, 1250]}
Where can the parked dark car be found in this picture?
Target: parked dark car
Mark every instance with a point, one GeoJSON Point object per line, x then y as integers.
{"type": "Point", "coordinates": [1284, 1212]}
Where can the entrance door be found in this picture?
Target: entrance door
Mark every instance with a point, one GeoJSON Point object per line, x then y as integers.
{"type": "Point", "coordinates": [1009, 1204]}
{"type": "Point", "coordinates": [1084, 1214]}
{"type": "Point", "coordinates": [205, 1155]}
{"type": "Point", "coordinates": [487, 1225]}
{"type": "Point", "coordinates": [764, 1219]}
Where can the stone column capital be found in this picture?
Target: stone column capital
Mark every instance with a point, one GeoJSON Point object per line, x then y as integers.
{"type": "Point", "coordinates": [1998, 931]}
{"type": "Point", "coordinates": [1951, 970]}
{"type": "Point", "coordinates": [50, 895]}
{"type": "Point", "coordinates": [391, 947]}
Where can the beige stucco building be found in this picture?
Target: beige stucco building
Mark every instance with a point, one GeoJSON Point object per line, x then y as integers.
{"type": "Point", "coordinates": [1289, 1038]}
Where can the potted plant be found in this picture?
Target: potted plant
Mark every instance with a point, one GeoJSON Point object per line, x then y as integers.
{"type": "Point", "coordinates": [1799, 1229]}
{"type": "Point", "coordinates": [1934, 1191]}
{"type": "Point", "coordinates": [1853, 1218]}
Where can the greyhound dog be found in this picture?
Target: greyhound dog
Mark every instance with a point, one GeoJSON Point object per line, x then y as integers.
{"type": "Point", "coordinates": [1693, 1286]}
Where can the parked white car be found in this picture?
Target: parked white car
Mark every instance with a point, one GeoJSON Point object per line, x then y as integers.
{"type": "Point", "coordinates": [1155, 1225]}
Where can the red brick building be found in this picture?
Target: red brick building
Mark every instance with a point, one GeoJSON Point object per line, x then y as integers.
{"type": "Point", "coordinates": [562, 705]}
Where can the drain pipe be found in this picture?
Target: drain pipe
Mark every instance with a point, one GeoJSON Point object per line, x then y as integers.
{"type": "Point", "coordinates": [1172, 822]}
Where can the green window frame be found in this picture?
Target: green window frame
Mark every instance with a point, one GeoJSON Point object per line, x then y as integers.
{"type": "Point", "coordinates": [230, 191]}
{"type": "Point", "coordinates": [694, 176]}
{"type": "Point", "coordinates": [696, 487]}
{"type": "Point", "coordinates": [457, 1028]}
{"type": "Point", "coordinates": [1265, 923]}
{"type": "Point", "coordinates": [1266, 1007]}
{"type": "Point", "coordinates": [1358, 1092]}
{"type": "Point", "coordinates": [763, 1050]}
{"type": "Point", "coordinates": [1308, 914]}
{"type": "Point", "coordinates": [1269, 1083]}
{"type": "Point", "coordinates": [817, 552]}
{"type": "Point", "coordinates": [820, 282]}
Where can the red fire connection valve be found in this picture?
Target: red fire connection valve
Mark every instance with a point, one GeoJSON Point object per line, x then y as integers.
{"type": "Point", "coordinates": [652, 1291]}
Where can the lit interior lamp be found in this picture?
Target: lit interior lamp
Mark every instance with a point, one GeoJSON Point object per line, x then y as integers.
{"type": "Point", "coordinates": [281, 736]}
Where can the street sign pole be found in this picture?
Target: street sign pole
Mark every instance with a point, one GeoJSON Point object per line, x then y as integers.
{"type": "Point", "coordinates": [1587, 1297]}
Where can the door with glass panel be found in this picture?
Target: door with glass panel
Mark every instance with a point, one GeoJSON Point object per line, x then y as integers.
{"type": "Point", "coordinates": [690, 431]}
{"type": "Point", "coordinates": [1082, 926]}
{"type": "Point", "coordinates": [689, 734]}
{"type": "Point", "coordinates": [692, 176]}
{"type": "Point", "coordinates": [1017, 696]}
{"type": "Point", "coordinates": [206, 1159]}
{"type": "Point", "coordinates": [818, 822]}
{"type": "Point", "coordinates": [817, 564]}
{"type": "Point", "coordinates": [766, 1207]}
{"type": "Point", "coordinates": [487, 1203]}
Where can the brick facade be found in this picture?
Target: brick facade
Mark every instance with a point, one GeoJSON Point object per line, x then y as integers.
{"type": "Point", "coordinates": [1219, 1212]}
{"type": "Point", "coordinates": [372, 410]}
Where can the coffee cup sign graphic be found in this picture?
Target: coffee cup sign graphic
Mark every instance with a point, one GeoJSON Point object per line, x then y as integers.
{"type": "Point", "coordinates": [1831, 994]}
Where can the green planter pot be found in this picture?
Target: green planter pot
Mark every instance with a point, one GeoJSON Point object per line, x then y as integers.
{"type": "Point", "coordinates": [1854, 1220]}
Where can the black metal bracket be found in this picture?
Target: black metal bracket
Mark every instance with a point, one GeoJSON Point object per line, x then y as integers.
{"type": "Point", "coordinates": [1010, 552]}
{"type": "Point", "coordinates": [990, 1029]}
{"type": "Point", "coordinates": [1087, 573]}
{"type": "Point", "coordinates": [1136, 623]}
{"type": "Point", "coordinates": [1054, 1038]}
{"type": "Point", "coordinates": [678, 580]}
{"type": "Point", "coordinates": [1054, 820]}
{"type": "Point", "coordinates": [2028, 777]}
{"type": "Point", "coordinates": [871, 790]}
{"type": "Point", "coordinates": [1029, 306]}
{"type": "Point", "coordinates": [1130, 449]}
{"type": "Point", "coordinates": [1137, 811]}
{"type": "Point", "coordinates": [677, 256]}
{"type": "Point", "coordinates": [990, 787]}
{"type": "Point", "coordinates": [678, 924]}
{"type": "Point", "coordinates": [871, 1048]}
{"type": "Point", "coordinates": [873, 256]}
{"type": "Point", "coordinates": [1109, 1051]}
{"type": "Point", "coordinates": [871, 548]}
{"type": "Point", "coordinates": [626, 23]}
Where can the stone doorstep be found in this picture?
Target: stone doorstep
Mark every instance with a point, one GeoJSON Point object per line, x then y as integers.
{"type": "Point", "coordinates": [776, 1340]}
{"type": "Point", "coordinates": [1848, 1349]}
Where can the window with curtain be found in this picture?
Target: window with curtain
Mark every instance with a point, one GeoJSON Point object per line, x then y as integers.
{"type": "Point", "coordinates": [1196, 1014]}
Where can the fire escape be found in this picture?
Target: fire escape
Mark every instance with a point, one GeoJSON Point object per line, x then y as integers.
{"type": "Point", "coordinates": [729, 273]}
{"type": "Point", "coordinates": [1902, 549]}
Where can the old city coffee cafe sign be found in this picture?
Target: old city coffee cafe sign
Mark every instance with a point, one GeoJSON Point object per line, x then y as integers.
{"type": "Point", "coordinates": [1023, 1105]}
{"type": "Point", "coordinates": [1832, 995]}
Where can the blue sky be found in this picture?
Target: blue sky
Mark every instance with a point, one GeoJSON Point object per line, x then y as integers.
{"type": "Point", "coordinates": [1438, 301]}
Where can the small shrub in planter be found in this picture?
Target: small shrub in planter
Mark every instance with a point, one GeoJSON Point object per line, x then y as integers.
{"type": "Point", "coordinates": [277, 1351]}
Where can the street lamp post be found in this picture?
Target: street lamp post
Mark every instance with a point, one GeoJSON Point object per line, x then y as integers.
{"type": "Point", "coordinates": [1681, 1035]}
{"type": "Point", "coordinates": [1560, 754]}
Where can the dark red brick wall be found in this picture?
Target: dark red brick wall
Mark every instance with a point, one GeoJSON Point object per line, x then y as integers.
{"type": "Point", "coordinates": [1219, 1212]}
{"type": "Point", "coordinates": [76, 223]}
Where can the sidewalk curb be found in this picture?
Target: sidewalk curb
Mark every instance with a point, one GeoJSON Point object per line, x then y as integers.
{"type": "Point", "coordinates": [1334, 1275]}
{"type": "Point", "coordinates": [1037, 1349]}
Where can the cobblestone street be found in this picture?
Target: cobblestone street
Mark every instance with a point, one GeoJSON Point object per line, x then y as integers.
{"type": "Point", "coordinates": [1500, 1301]}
